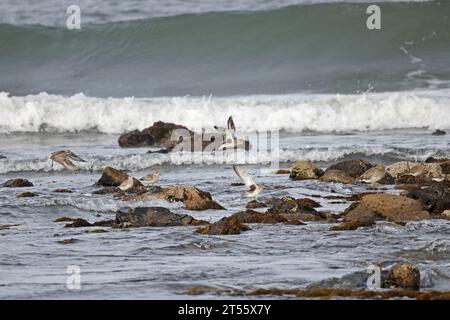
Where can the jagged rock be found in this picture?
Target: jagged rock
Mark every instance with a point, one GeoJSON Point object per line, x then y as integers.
{"type": "Point", "coordinates": [304, 170]}
{"type": "Point", "coordinates": [253, 204]}
{"type": "Point", "coordinates": [17, 183]}
{"type": "Point", "coordinates": [27, 195]}
{"type": "Point", "coordinates": [192, 197]}
{"type": "Point", "coordinates": [334, 175]}
{"type": "Point", "coordinates": [403, 275]}
{"type": "Point", "coordinates": [225, 226]}
{"type": "Point", "coordinates": [435, 198]}
{"type": "Point", "coordinates": [155, 217]}
{"type": "Point", "coordinates": [354, 168]}
{"type": "Point", "coordinates": [158, 135]}
{"type": "Point", "coordinates": [112, 177]}
{"type": "Point", "coordinates": [394, 208]}
{"type": "Point", "coordinates": [251, 216]}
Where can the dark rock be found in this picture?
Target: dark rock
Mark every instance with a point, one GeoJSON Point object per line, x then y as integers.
{"type": "Point", "coordinates": [159, 135]}
{"type": "Point", "coordinates": [403, 275]}
{"type": "Point", "coordinates": [439, 133]}
{"type": "Point", "coordinates": [435, 198]}
{"type": "Point", "coordinates": [110, 190]}
{"type": "Point", "coordinates": [282, 171]}
{"type": "Point", "coordinates": [155, 217]}
{"type": "Point", "coordinates": [78, 223]}
{"type": "Point", "coordinates": [2, 157]}
{"type": "Point", "coordinates": [64, 219]}
{"type": "Point", "coordinates": [253, 204]}
{"type": "Point", "coordinates": [17, 183]}
{"type": "Point", "coordinates": [354, 168]}
{"type": "Point", "coordinates": [161, 151]}
{"type": "Point", "coordinates": [291, 205]}
{"type": "Point", "coordinates": [67, 241]}
{"type": "Point", "coordinates": [251, 216]}
{"type": "Point", "coordinates": [27, 195]}
{"type": "Point", "coordinates": [112, 177]}
{"type": "Point", "coordinates": [225, 226]}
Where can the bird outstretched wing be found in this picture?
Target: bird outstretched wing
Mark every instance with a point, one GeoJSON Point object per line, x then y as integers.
{"type": "Point", "coordinates": [245, 177]}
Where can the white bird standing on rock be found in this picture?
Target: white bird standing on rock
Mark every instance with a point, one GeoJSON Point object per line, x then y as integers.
{"type": "Point", "coordinates": [65, 158]}
{"type": "Point", "coordinates": [253, 189]}
{"type": "Point", "coordinates": [152, 178]}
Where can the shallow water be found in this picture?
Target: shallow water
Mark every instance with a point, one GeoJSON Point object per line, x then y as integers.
{"type": "Point", "coordinates": [166, 262]}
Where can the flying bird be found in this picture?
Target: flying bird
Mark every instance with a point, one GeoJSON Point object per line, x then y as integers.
{"type": "Point", "coordinates": [252, 189]}
{"type": "Point", "coordinates": [66, 158]}
{"type": "Point", "coordinates": [231, 142]}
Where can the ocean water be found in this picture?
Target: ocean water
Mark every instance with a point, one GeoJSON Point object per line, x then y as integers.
{"type": "Point", "coordinates": [308, 69]}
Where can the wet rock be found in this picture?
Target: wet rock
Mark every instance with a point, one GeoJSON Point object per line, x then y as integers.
{"type": "Point", "coordinates": [354, 168]}
{"type": "Point", "coordinates": [8, 226]}
{"type": "Point", "coordinates": [308, 204]}
{"type": "Point", "coordinates": [296, 209]}
{"type": "Point", "coordinates": [393, 207]}
{"type": "Point", "coordinates": [2, 157]}
{"type": "Point", "coordinates": [155, 217]}
{"type": "Point", "coordinates": [78, 223]}
{"type": "Point", "coordinates": [192, 198]}
{"type": "Point", "coordinates": [225, 226]}
{"type": "Point", "coordinates": [62, 190]}
{"type": "Point", "coordinates": [158, 135]}
{"type": "Point", "coordinates": [67, 241]}
{"type": "Point", "coordinates": [304, 170]}
{"type": "Point", "coordinates": [253, 204]}
{"type": "Point", "coordinates": [64, 219]}
{"type": "Point", "coordinates": [251, 216]}
{"type": "Point", "coordinates": [354, 224]}
{"type": "Point", "coordinates": [105, 223]}
{"type": "Point", "coordinates": [334, 175]}
{"type": "Point", "coordinates": [161, 151]}
{"type": "Point", "coordinates": [439, 133]}
{"type": "Point", "coordinates": [403, 275]}
{"type": "Point", "coordinates": [27, 195]}
{"type": "Point", "coordinates": [112, 177]}
{"type": "Point", "coordinates": [97, 231]}
{"type": "Point", "coordinates": [282, 171]}
{"type": "Point", "coordinates": [435, 198]}
{"type": "Point", "coordinates": [110, 190]}
{"type": "Point", "coordinates": [17, 183]}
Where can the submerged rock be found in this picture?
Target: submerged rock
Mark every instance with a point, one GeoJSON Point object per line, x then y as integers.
{"type": "Point", "coordinates": [225, 226]}
{"type": "Point", "coordinates": [353, 168]}
{"type": "Point", "coordinates": [2, 157]}
{"type": "Point", "coordinates": [304, 170]}
{"type": "Point", "coordinates": [334, 175]}
{"type": "Point", "coordinates": [155, 217]}
{"type": "Point", "coordinates": [403, 275]}
{"type": "Point", "coordinates": [63, 191]}
{"type": "Point", "coordinates": [27, 195]}
{"type": "Point", "coordinates": [112, 177]}
{"type": "Point", "coordinates": [78, 223]}
{"type": "Point", "coordinates": [17, 183]}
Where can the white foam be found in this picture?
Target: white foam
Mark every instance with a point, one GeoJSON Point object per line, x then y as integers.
{"type": "Point", "coordinates": [294, 113]}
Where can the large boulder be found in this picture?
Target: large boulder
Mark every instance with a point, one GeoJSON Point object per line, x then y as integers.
{"type": "Point", "coordinates": [435, 198]}
{"type": "Point", "coordinates": [334, 175]}
{"type": "Point", "coordinates": [154, 217]}
{"type": "Point", "coordinates": [225, 226]}
{"type": "Point", "coordinates": [403, 275]}
{"type": "Point", "coordinates": [192, 197]}
{"type": "Point", "coordinates": [158, 135]}
{"type": "Point", "coordinates": [394, 208]}
{"type": "Point", "coordinates": [112, 177]}
{"type": "Point", "coordinates": [17, 183]}
{"type": "Point", "coordinates": [304, 170]}
{"type": "Point", "coordinates": [354, 168]}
